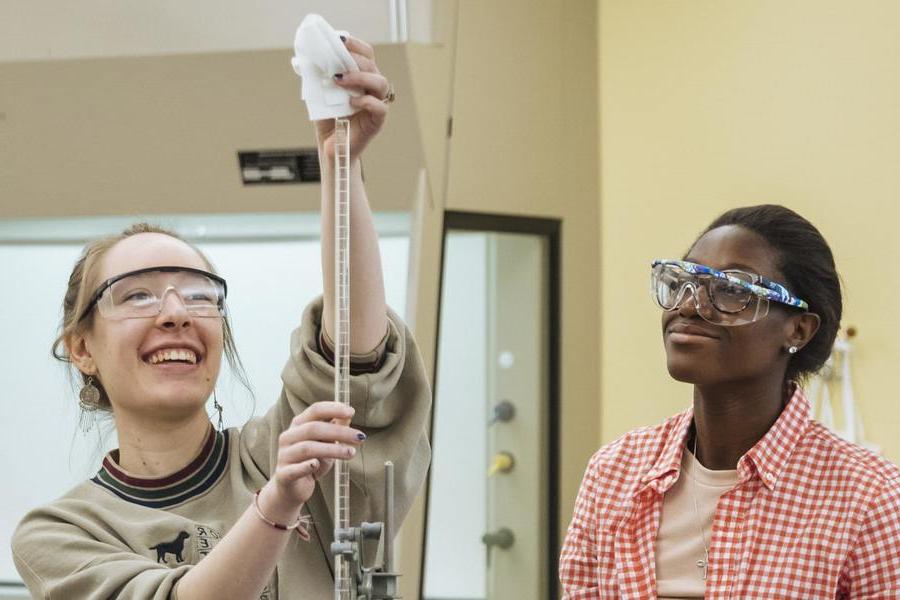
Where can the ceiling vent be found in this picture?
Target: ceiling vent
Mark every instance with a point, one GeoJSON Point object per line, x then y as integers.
{"type": "Point", "coordinates": [279, 166]}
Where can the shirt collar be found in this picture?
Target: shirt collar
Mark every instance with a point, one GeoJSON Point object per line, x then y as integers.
{"type": "Point", "coordinates": [665, 471]}
{"type": "Point", "coordinates": [768, 456]}
{"type": "Point", "coordinates": [771, 453]}
{"type": "Point", "coordinates": [203, 472]}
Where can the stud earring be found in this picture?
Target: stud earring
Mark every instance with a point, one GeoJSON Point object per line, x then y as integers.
{"type": "Point", "coordinates": [793, 350]}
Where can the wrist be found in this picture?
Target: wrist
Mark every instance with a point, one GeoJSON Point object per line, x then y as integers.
{"type": "Point", "coordinates": [276, 506]}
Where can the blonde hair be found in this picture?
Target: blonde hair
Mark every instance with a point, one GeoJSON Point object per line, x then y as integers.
{"type": "Point", "coordinates": [82, 282]}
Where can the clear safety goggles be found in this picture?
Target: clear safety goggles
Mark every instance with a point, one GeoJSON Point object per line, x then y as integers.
{"type": "Point", "coordinates": [142, 293]}
{"type": "Point", "coordinates": [730, 298]}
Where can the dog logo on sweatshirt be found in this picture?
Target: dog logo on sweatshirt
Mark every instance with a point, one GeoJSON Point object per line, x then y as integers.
{"type": "Point", "coordinates": [175, 547]}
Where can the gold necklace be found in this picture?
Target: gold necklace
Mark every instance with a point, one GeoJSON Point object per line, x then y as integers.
{"type": "Point", "coordinates": [703, 563]}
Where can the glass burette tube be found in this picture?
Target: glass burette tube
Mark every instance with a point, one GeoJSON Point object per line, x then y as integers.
{"type": "Point", "coordinates": [344, 579]}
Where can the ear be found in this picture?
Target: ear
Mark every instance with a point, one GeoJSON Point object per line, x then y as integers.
{"type": "Point", "coordinates": [802, 328]}
{"type": "Point", "coordinates": [76, 346]}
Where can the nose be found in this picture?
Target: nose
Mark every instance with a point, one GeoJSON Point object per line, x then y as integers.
{"type": "Point", "coordinates": [173, 314]}
{"type": "Point", "coordinates": [689, 303]}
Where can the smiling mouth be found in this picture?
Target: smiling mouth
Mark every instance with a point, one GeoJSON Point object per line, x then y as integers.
{"type": "Point", "coordinates": [684, 332]}
{"type": "Point", "coordinates": [173, 355]}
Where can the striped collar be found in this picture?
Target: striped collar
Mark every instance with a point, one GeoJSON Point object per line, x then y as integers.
{"type": "Point", "coordinates": [203, 472]}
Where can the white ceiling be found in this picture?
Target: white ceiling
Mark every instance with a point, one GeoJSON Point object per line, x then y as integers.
{"type": "Point", "coordinates": [60, 29]}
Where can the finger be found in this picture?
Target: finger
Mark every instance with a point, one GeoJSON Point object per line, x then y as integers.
{"type": "Point", "coordinates": [294, 471]}
{"type": "Point", "coordinates": [341, 422]}
{"type": "Point", "coordinates": [322, 432]}
{"type": "Point", "coordinates": [373, 106]}
{"type": "Point", "coordinates": [371, 83]}
{"type": "Point", "coordinates": [360, 47]}
{"type": "Point", "coordinates": [307, 450]}
{"type": "Point", "coordinates": [324, 466]}
{"type": "Point", "coordinates": [364, 63]}
{"type": "Point", "coordinates": [324, 411]}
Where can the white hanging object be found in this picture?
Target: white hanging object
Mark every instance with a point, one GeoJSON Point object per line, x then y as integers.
{"type": "Point", "coordinates": [837, 367]}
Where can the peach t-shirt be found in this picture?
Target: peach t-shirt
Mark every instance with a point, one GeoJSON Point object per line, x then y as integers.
{"type": "Point", "coordinates": [678, 542]}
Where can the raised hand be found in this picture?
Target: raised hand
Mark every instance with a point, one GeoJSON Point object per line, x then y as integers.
{"type": "Point", "coordinates": [373, 105]}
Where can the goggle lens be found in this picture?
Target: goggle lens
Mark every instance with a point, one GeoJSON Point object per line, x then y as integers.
{"type": "Point", "coordinates": [143, 294]}
{"type": "Point", "coordinates": [717, 301]}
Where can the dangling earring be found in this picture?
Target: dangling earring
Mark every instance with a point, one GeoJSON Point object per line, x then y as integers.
{"type": "Point", "coordinates": [793, 350]}
{"type": "Point", "coordinates": [89, 396]}
{"type": "Point", "coordinates": [89, 401]}
{"type": "Point", "coordinates": [218, 408]}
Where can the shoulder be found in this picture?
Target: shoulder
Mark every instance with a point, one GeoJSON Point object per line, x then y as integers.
{"type": "Point", "coordinates": [849, 463]}
{"type": "Point", "coordinates": [617, 469]}
{"type": "Point", "coordinates": [641, 446]}
{"type": "Point", "coordinates": [67, 515]}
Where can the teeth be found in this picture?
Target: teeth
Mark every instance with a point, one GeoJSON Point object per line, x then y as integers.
{"type": "Point", "coordinates": [173, 354]}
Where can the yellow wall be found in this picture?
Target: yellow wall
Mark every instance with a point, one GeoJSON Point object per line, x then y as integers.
{"type": "Point", "coordinates": [707, 105]}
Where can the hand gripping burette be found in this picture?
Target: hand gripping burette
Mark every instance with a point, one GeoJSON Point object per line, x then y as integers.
{"type": "Point", "coordinates": [319, 54]}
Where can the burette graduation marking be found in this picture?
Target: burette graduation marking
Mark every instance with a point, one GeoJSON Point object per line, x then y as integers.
{"type": "Point", "coordinates": [343, 578]}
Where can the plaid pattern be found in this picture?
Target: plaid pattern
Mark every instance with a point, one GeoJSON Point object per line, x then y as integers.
{"type": "Point", "coordinates": [812, 517]}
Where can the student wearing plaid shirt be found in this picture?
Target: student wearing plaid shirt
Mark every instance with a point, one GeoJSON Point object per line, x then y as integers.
{"type": "Point", "coordinates": [742, 496]}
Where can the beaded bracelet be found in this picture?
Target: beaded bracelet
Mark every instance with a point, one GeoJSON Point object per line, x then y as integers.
{"type": "Point", "coordinates": [302, 525]}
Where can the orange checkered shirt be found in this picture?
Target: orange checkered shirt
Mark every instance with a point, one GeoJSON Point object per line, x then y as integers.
{"type": "Point", "coordinates": [813, 516]}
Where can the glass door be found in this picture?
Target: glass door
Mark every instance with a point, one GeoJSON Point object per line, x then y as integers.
{"type": "Point", "coordinates": [492, 496]}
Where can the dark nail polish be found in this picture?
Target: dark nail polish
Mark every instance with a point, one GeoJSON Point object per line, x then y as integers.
{"type": "Point", "coordinates": [361, 437]}
{"type": "Point", "coordinates": [338, 76]}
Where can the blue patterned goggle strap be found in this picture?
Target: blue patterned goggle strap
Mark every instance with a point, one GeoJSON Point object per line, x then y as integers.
{"type": "Point", "coordinates": [763, 288]}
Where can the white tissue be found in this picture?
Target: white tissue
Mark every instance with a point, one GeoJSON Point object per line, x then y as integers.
{"type": "Point", "coordinates": [319, 54]}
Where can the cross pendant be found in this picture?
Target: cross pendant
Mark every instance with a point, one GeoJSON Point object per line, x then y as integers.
{"type": "Point", "coordinates": [703, 563]}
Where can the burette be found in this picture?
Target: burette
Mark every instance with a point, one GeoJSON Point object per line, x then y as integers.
{"type": "Point", "coordinates": [319, 54]}
{"type": "Point", "coordinates": [344, 580]}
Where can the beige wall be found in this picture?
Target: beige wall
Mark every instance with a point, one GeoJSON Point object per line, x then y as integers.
{"type": "Point", "coordinates": [160, 134]}
{"type": "Point", "coordinates": [707, 105]}
{"type": "Point", "coordinates": [524, 142]}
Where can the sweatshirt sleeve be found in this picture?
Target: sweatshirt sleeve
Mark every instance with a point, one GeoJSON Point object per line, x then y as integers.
{"type": "Point", "coordinates": [58, 558]}
{"type": "Point", "coordinates": [392, 406]}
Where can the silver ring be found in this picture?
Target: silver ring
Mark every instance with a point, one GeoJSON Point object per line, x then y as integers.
{"type": "Point", "coordinates": [391, 96]}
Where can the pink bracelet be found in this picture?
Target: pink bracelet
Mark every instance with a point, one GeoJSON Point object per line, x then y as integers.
{"type": "Point", "coordinates": [302, 525]}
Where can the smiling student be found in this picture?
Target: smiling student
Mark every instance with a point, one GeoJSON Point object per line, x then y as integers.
{"type": "Point", "coordinates": [742, 496]}
{"type": "Point", "coordinates": [185, 510]}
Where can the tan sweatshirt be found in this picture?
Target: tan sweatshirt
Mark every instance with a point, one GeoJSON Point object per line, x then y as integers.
{"type": "Point", "coordinates": [120, 536]}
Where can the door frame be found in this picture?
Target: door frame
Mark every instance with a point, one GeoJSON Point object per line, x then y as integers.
{"type": "Point", "coordinates": [551, 229]}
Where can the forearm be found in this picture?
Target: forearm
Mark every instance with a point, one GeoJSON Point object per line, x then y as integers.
{"type": "Point", "coordinates": [368, 314]}
{"type": "Point", "coordinates": [242, 563]}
